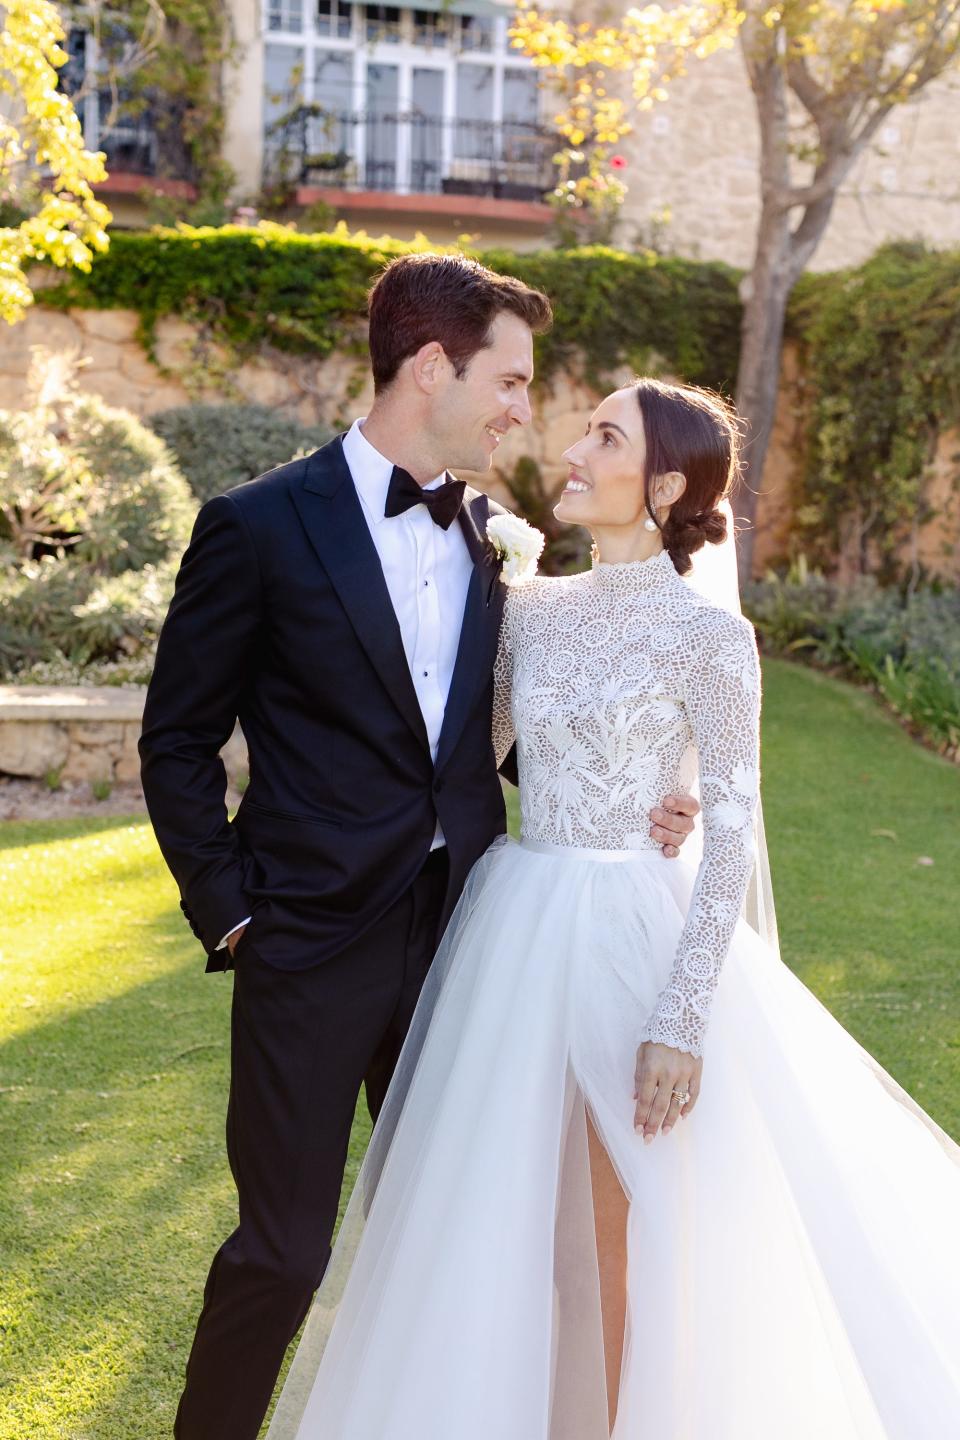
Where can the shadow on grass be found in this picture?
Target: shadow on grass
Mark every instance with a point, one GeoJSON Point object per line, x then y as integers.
{"type": "Point", "coordinates": [16, 834]}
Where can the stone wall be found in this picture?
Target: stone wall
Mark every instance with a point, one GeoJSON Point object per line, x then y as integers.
{"type": "Point", "coordinates": [74, 733]}
{"type": "Point", "coordinates": [188, 366]}
{"type": "Point", "coordinates": [335, 389]}
{"type": "Point", "coordinates": [697, 154]}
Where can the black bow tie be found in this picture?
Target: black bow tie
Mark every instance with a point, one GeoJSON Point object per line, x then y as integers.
{"type": "Point", "coordinates": [443, 503]}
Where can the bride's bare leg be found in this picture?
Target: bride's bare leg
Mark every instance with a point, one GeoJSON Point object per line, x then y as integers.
{"type": "Point", "coordinates": [610, 1216]}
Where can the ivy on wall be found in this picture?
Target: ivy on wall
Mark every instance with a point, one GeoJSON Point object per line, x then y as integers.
{"type": "Point", "coordinates": [307, 294]}
{"type": "Point", "coordinates": [880, 355]}
{"type": "Point", "coordinates": [179, 80]}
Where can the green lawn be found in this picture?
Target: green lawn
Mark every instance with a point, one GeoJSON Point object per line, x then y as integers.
{"type": "Point", "coordinates": [113, 1066]}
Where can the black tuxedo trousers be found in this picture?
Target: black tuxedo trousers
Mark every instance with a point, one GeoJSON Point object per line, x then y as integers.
{"type": "Point", "coordinates": [281, 619]}
{"type": "Point", "coordinates": [303, 1042]}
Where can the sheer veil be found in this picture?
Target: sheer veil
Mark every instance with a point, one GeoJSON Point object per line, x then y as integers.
{"type": "Point", "coordinates": [715, 576]}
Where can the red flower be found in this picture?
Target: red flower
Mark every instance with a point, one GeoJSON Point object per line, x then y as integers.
{"type": "Point", "coordinates": [617, 162]}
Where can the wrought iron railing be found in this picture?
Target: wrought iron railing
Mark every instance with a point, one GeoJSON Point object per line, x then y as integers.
{"type": "Point", "coordinates": [130, 143]}
{"type": "Point", "coordinates": [411, 153]}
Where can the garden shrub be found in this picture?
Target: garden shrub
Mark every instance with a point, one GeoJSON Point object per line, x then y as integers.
{"type": "Point", "coordinates": [61, 623]}
{"type": "Point", "coordinates": [94, 516]}
{"type": "Point", "coordinates": [219, 446]}
{"type": "Point", "coordinates": [905, 644]}
{"type": "Point", "coordinates": [90, 484]}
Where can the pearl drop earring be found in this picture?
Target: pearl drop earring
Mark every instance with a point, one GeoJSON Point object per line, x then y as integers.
{"type": "Point", "coordinates": [650, 524]}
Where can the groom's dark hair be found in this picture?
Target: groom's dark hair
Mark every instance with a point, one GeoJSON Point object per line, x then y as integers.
{"type": "Point", "coordinates": [447, 298]}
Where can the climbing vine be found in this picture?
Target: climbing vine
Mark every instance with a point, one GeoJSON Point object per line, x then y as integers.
{"type": "Point", "coordinates": [180, 48]}
{"type": "Point", "coordinates": [307, 294]}
{"type": "Point", "coordinates": [880, 355]}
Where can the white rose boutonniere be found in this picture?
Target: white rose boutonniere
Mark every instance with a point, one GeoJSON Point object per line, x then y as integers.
{"type": "Point", "coordinates": [518, 545]}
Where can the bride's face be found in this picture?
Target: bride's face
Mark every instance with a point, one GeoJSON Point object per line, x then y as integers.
{"type": "Point", "coordinates": [605, 485]}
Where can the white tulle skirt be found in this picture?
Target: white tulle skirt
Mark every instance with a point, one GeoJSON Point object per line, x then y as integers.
{"type": "Point", "coordinates": [793, 1260]}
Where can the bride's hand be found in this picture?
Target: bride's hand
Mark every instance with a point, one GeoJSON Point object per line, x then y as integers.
{"type": "Point", "coordinates": [662, 1070]}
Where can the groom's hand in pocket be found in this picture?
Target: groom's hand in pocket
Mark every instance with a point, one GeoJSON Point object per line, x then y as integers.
{"type": "Point", "coordinates": [234, 940]}
{"type": "Point", "coordinates": [672, 821]}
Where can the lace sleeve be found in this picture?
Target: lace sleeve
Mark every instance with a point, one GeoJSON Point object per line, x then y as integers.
{"type": "Point", "coordinates": [723, 706]}
{"type": "Point", "coordinates": [503, 728]}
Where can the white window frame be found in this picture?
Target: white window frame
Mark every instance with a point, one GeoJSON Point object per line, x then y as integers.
{"type": "Point", "coordinates": [406, 56]}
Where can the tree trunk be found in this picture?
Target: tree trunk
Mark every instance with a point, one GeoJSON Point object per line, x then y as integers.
{"type": "Point", "coordinates": [758, 376]}
{"type": "Point", "coordinates": [766, 289]}
{"type": "Point", "coordinates": [780, 258]}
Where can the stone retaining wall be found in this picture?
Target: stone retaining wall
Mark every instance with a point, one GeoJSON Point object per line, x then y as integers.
{"type": "Point", "coordinates": [78, 733]}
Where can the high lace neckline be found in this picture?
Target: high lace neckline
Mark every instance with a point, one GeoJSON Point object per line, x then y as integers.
{"type": "Point", "coordinates": [644, 575]}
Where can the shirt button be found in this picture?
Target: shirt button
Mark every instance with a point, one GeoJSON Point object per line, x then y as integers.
{"type": "Point", "coordinates": [426, 674]}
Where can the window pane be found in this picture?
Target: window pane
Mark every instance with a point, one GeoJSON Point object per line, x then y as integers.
{"type": "Point", "coordinates": [383, 89]}
{"type": "Point", "coordinates": [383, 23]}
{"type": "Point", "coordinates": [426, 131]}
{"type": "Point", "coordinates": [383, 92]}
{"type": "Point", "coordinates": [475, 92]}
{"type": "Point", "coordinates": [473, 136]}
{"type": "Point", "coordinates": [520, 95]}
{"type": "Point", "coordinates": [476, 33]}
{"type": "Point", "coordinates": [334, 17]}
{"type": "Point", "coordinates": [283, 80]}
{"type": "Point", "coordinates": [333, 80]}
{"type": "Point", "coordinates": [431, 29]}
{"type": "Point", "coordinates": [285, 15]}
{"type": "Point", "coordinates": [71, 76]}
{"type": "Point", "coordinates": [526, 150]}
{"type": "Point", "coordinates": [331, 129]}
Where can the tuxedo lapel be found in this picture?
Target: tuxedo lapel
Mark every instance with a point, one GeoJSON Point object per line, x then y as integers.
{"type": "Point", "coordinates": [333, 518]}
{"type": "Point", "coordinates": [481, 624]}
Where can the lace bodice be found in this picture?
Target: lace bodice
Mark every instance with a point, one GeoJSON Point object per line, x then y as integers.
{"type": "Point", "coordinates": [620, 685]}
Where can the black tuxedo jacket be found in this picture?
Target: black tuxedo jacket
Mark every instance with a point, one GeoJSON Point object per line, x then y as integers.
{"type": "Point", "coordinates": [281, 618]}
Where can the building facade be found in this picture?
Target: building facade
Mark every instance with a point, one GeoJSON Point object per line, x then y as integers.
{"type": "Point", "coordinates": [425, 119]}
{"type": "Point", "coordinates": [391, 117]}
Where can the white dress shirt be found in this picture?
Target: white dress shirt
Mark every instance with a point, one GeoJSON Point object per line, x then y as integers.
{"type": "Point", "coordinates": [427, 570]}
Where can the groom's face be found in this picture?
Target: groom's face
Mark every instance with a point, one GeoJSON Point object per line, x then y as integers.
{"type": "Point", "coordinates": [473, 413]}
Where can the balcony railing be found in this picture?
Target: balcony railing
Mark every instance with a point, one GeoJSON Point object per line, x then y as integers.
{"type": "Point", "coordinates": [131, 144]}
{"type": "Point", "coordinates": [411, 153]}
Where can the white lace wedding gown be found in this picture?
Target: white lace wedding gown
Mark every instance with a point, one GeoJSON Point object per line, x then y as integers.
{"type": "Point", "coordinates": [794, 1270]}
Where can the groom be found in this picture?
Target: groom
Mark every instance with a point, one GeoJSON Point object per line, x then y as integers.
{"type": "Point", "coordinates": [345, 608]}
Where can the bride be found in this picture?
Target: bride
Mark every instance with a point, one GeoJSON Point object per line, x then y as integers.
{"type": "Point", "coordinates": [631, 1178]}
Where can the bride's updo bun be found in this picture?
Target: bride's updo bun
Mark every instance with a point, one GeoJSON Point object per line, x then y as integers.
{"type": "Point", "coordinates": [682, 537]}
{"type": "Point", "coordinates": [695, 432]}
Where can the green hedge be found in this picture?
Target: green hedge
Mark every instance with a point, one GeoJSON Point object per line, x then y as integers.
{"type": "Point", "coordinates": [307, 293]}
{"type": "Point", "coordinates": [880, 355]}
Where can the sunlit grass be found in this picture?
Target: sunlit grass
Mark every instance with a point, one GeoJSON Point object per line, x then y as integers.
{"type": "Point", "coordinates": [854, 811]}
{"type": "Point", "coordinates": [114, 1189]}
